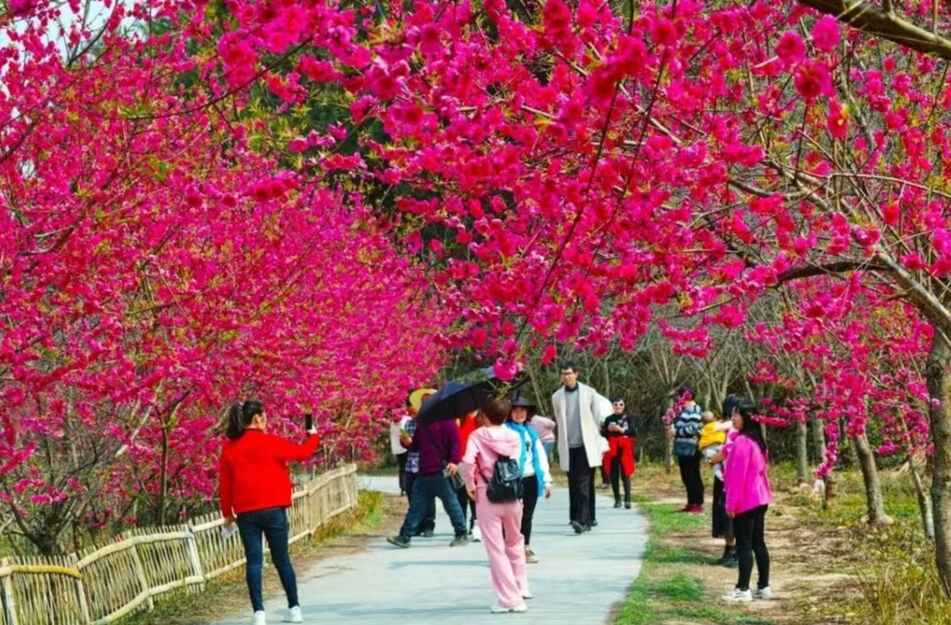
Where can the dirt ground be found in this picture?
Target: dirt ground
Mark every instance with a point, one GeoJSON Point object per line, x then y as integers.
{"type": "Point", "coordinates": [810, 565]}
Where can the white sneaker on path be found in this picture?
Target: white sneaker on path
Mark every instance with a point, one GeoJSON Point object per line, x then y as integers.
{"type": "Point", "coordinates": [476, 534]}
{"type": "Point", "coordinates": [738, 596]}
{"type": "Point", "coordinates": [259, 618]}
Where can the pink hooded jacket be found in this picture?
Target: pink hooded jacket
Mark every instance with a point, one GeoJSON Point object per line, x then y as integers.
{"type": "Point", "coordinates": [744, 476]}
{"type": "Point", "coordinates": [485, 446]}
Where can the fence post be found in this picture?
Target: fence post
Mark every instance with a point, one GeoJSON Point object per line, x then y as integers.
{"type": "Point", "coordinates": [73, 560]}
{"type": "Point", "coordinates": [192, 545]}
{"type": "Point", "coordinates": [9, 603]}
{"type": "Point", "coordinates": [140, 572]}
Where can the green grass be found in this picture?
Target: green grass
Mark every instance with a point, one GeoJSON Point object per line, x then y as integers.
{"type": "Point", "coordinates": [666, 590]}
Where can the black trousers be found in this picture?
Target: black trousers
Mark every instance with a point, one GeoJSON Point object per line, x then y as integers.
{"type": "Point", "coordinates": [580, 486]}
{"type": "Point", "coordinates": [467, 505]}
{"type": "Point", "coordinates": [529, 501]}
{"type": "Point", "coordinates": [401, 462]}
{"type": "Point", "coordinates": [690, 475]}
{"type": "Point", "coordinates": [429, 519]}
{"type": "Point", "coordinates": [617, 475]}
{"type": "Point", "coordinates": [749, 528]}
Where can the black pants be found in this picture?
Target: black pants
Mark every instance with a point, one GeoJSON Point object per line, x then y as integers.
{"type": "Point", "coordinates": [617, 475]}
{"type": "Point", "coordinates": [467, 505]}
{"type": "Point", "coordinates": [580, 486]}
{"type": "Point", "coordinates": [529, 501]}
{"type": "Point", "coordinates": [429, 519]}
{"type": "Point", "coordinates": [401, 462]}
{"type": "Point", "coordinates": [722, 523]}
{"type": "Point", "coordinates": [690, 475]}
{"type": "Point", "coordinates": [749, 528]}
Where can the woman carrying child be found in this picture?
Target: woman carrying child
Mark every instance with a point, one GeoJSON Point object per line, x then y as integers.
{"type": "Point", "coordinates": [712, 439]}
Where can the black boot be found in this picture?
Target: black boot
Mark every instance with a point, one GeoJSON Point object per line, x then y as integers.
{"type": "Point", "coordinates": [732, 560]}
{"type": "Point", "coordinates": [617, 503]}
{"type": "Point", "coordinates": [627, 504]}
{"type": "Point", "coordinates": [725, 556]}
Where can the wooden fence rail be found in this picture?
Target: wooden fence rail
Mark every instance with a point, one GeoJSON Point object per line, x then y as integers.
{"type": "Point", "coordinates": [100, 586]}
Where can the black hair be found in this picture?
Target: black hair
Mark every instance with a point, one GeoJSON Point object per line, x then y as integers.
{"type": "Point", "coordinates": [730, 403]}
{"type": "Point", "coordinates": [569, 364]}
{"type": "Point", "coordinates": [617, 399]}
{"type": "Point", "coordinates": [409, 401]}
{"type": "Point", "coordinates": [751, 428]}
{"type": "Point", "coordinates": [240, 416]}
{"type": "Point", "coordinates": [687, 389]}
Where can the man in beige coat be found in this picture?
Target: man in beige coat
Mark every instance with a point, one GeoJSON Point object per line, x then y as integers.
{"type": "Point", "coordinates": [576, 408]}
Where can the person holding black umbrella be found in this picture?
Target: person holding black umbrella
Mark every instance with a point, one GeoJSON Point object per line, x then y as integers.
{"type": "Point", "coordinates": [439, 454]}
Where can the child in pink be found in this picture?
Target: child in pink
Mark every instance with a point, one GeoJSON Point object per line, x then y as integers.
{"type": "Point", "coordinates": [506, 553]}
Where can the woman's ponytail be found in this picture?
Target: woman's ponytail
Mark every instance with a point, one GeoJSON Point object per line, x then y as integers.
{"type": "Point", "coordinates": [235, 427]}
{"type": "Point", "coordinates": [240, 416]}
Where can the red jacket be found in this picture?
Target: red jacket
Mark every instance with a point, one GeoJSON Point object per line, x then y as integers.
{"type": "Point", "coordinates": [253, 471]}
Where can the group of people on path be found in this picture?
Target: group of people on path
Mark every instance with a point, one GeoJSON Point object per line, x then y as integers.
{"type": "Point", "coordinates": [463, 456]}
{"type": "Point", "coordinates": [736, 450]}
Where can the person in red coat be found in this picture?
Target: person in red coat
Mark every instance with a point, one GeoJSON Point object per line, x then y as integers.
{"type": "Point", "coordinates": [621, 433]}
{"type": "Point", "coordinates": [255, 487]}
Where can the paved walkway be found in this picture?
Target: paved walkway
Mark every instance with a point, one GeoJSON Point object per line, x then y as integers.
{"type": "Point", "coordinates": [577, 581]}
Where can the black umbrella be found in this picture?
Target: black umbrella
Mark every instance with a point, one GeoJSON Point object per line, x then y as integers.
{"type": "Point", "coordinates": [463, 395]}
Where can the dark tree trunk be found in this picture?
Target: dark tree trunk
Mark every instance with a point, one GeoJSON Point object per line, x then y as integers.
{"type": "Point", "coordinates": [802, 453]}
{"type": "Point", "coordinates": [936, 373]}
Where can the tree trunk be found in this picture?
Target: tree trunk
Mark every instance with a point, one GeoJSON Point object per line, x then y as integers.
{"type": "Point", "coordinates": [924, 503]}
{"type": "Point", "coordinates": [802, 453]}
{"type": "Point", "coordinates": [873, 487]}
{"type": "Point", "coordinates": [936, 373]}
{"type": "Point", "coordinates": [163, 480]}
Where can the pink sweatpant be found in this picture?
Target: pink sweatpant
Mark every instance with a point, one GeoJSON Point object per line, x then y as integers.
{"type": "Point", "coordinates": [506, 555]}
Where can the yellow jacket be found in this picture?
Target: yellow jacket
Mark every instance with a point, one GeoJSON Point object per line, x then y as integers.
{"type": "Point", "coordinates": [710, 436]}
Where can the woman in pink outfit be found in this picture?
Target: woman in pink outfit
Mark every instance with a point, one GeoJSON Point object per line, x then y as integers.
{"type": "Point", "coordinates": [748, 495]}
{"type": "Point", "coordinates": [506, 552]}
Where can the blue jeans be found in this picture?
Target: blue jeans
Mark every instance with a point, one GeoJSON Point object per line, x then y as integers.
{"type": "Point", "coordinates": [272, 523]}
{"type": "Point", "coordinates": [425, 489]}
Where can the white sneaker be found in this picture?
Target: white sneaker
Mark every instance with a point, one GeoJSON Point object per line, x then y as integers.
{"type": "Point", "coordinates": [260, 618]}
{"type": "Point", "coordinates": [498, 609]}
{"type": "Point", "coordinates": [738, 596]}
{"type": "Point", "coordinates": [763, 594]}
{"type": "Point", "coordinates": [476, 534]}
{"type": "Point", "coordinates": [527, 594]}
{"type": "Point", "coordinates": [294, 615]}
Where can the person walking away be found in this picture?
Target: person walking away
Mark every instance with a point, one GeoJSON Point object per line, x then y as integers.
{"type": "Point", "coordinates": [545, 428]}
{"type": "Point", "coordinates": [533, 461]}
{"type": "Point", "coordinates": [414, 400]}
{"type": "Point", "coordinates": [255, 488]}
{"type": "Point", "coordinates": [712, 439]}
{"type": "Point", "coordinates": [468, 424]}
{"type": "Point", "coordinates": [748, 495]}
{"type": "Point", "coordinates": [439, 454]}
{"type": "Point", "coordinates": [686, 431]}
{"type": "Point", "coordinates": [579, 443]}
{"type": "Point", "coordinates": [500, 522]}
{"type": "Point", "coordinates": [621, 433]}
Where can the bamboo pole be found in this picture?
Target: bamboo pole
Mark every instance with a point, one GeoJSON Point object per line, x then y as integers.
{"type": "Point", "coordinates": [140, 573]}
{"type": "Point", "coordinates": [9, 603]}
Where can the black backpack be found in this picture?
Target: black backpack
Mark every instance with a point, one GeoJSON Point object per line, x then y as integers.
{"type": "Point", "coordinates": [505, 486]}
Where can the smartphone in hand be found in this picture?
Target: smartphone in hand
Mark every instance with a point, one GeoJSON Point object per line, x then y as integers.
{"type": "Point", "coordinates": [308, 422]}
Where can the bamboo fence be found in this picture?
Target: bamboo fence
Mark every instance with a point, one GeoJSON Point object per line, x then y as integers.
{"type": "Point", "coordinates": [100, 586]}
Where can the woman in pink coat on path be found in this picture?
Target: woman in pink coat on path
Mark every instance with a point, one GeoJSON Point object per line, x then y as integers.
{"type": "Point", "coordinates": [506, 553]}
{"type": "Point", "coordinates": [748, 495]}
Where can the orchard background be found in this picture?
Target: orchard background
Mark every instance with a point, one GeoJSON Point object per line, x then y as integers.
{"type": "Point", "coordinates": [323, 204]}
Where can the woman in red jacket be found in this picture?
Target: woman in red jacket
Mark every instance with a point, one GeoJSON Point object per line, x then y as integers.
{"type": "Point", "coordinates": [255, 486]}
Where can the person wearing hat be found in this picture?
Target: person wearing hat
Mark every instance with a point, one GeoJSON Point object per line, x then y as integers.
{"type": "Point", "coordinates": [536, 475]}
{"type": "Point", "coordinates": [414, 401]}
{"type": "Point", "coordinates": [619, 460]}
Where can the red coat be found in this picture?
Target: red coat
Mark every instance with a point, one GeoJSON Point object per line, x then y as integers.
{"type": "Point", "coordinates": [253, 471]}
{"type": "Point", "coordinates": [623, 445]}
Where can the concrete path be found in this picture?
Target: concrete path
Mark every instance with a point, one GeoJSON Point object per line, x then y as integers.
{"type": "Point", "coordinates": [577, 581]}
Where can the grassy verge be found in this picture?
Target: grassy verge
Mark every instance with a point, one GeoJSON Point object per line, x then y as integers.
{"type": "Point", "coordinates": [667, 590]}
{"type": "Point", "coordinates": [228, 592]}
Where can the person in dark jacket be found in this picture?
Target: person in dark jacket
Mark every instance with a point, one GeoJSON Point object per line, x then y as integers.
{"type": "Point", "coordinates": [685, 431]}
{"type": "Point", "coordinates": [621, 433]}
{"type": "Point", "coordinates": [255, 486]}
{"type": "Point", "coordinates": [439, 455]}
